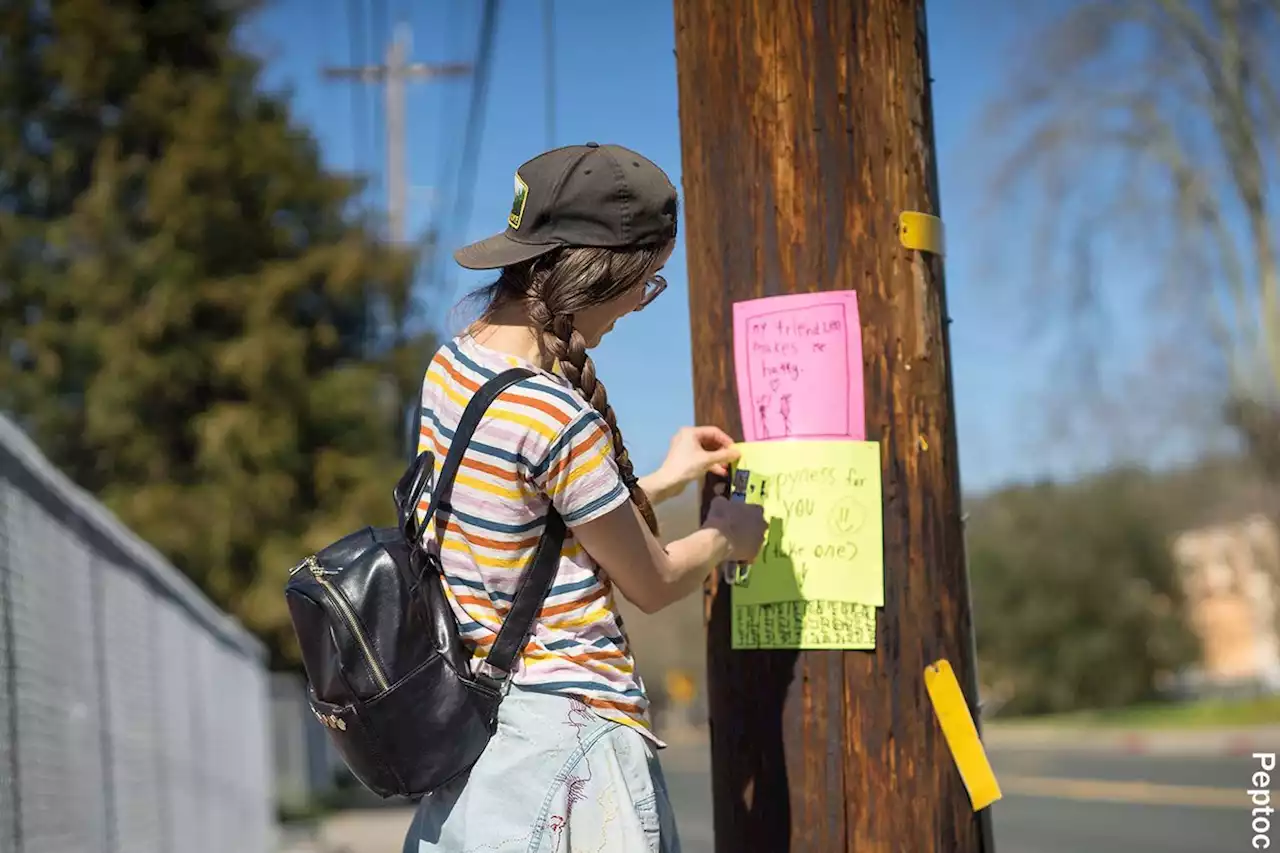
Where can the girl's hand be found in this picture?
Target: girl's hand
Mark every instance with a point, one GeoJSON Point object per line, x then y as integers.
{"type": "Point", "coordinates": [696, 451]}
{"type": "Point", "coordinates": [742, 525]}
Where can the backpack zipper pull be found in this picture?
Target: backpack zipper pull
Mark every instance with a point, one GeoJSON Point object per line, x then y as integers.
{"type": "Point", "coordinates": [311, 564]}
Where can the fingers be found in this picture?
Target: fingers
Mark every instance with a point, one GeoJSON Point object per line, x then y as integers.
{"type": "Point", "coordinates": [712, 437]}
{"type": "Point", "coordinates": [724, 454]}
{"type": "Point", "coordinates": [718, 461]}
{"type": "Point", "coordinates": [720, 452]}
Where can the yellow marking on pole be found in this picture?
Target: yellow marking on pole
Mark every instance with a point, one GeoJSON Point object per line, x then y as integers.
{"type": "Point", "coordinates": [961, 734]}
{"type": "Point", "coordinates": [921, 232]}
{"type": "Point", "coordinates": [1108, 791]}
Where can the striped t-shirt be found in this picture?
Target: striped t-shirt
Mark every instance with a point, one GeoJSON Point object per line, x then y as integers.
{"type": "Point", "coordinates": [538, 441]}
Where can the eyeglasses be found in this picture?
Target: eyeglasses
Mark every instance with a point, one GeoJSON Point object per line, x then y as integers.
{"type": "Point", "coordinates": [652, 290]}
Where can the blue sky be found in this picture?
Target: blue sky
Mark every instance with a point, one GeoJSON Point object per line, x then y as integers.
{"type": "Point", "coordinates": [616, 82]}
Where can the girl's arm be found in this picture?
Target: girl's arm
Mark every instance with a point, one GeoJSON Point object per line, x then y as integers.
{"type": "Point", "coordinates": [694, 451]}
{"type": "Point", "coordinates": [652, 577]}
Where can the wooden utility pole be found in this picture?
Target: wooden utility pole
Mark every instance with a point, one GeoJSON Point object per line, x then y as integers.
{"type": "Point", "coordinates": [394, 73]}
{"type": "Point", "coordinates": [807, 129]}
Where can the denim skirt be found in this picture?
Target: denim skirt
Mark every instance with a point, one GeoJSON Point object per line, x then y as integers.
{"type": "Point", "coordinates": [555, 778]}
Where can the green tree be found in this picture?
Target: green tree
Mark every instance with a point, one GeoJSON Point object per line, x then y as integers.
{"type": "Point", "coordinates": [1076, 596]}
{"type": "Point", "coordinates": [196, 323]}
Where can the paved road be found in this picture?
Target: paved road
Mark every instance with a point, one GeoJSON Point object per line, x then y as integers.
{"type": "Point", "coordinates": [1066, 803]}
{"type": "Point", "coordinates": [1069, 802]}
{"type": "Point", "coordinates": [1056, 801]}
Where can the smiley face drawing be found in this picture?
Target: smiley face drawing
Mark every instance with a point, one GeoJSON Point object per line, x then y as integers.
{"type": "Point", "coordinates": [847, 516]}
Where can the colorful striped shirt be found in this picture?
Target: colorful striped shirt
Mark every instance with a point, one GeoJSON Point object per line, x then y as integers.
{"type": "Point", "coordinates": [539, 442]}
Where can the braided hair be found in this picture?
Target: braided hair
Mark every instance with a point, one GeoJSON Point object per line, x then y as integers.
{"type": "Point", "coordinates": [553, 288]}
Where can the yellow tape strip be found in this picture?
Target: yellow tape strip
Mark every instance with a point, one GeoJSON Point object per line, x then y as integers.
{"type": "Point", "coordinates": [961, 734]}
{"type": "Point", "coordinates": [922, 232]}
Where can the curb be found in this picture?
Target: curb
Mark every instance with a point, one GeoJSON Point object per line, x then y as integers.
{"type": "Point", "coordinates": [693, 753]}
{"type": "Point", "coordinates": [1206, 742]}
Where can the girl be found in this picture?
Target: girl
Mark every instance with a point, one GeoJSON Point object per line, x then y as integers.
{"type": "Point", "coordinates": [573, 763]}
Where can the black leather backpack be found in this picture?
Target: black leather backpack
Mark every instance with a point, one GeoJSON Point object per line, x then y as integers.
{"type": "Point", "coordinates": [388, 675]}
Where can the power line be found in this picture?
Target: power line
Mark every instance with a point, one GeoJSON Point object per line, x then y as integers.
{"type": "Point", "coordinates": [474, 132]}
{"type": "Point", "coordinates": [447, 154]}
{"type": "Point", "coordinates": [382, 19]}
{"type": "Point", "coordinates": [379, 44]}
{"type": "Point", "coordinates": [394, 73]}
{"type": "Point", "coordinates": [360, 118]}
{"type": "Point", "coordinates": [549, 61]}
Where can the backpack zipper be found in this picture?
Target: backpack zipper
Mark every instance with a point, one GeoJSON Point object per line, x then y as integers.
{"type": "Point", "coordinates": [339, 601]}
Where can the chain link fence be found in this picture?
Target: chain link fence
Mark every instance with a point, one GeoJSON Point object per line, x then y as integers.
{"type": "Point", "coordinates": [133, 714]}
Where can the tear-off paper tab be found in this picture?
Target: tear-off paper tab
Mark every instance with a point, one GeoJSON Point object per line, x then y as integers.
{"type": "Point", "coordinates": [798, 364]}
{"type": "Point", "coordinates": [804, 625]}
{"type": "Point", "coordinates": [961, 735]}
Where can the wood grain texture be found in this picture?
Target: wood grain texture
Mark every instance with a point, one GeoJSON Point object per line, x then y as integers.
{"type": "Point", "coordinates": [806, 129]}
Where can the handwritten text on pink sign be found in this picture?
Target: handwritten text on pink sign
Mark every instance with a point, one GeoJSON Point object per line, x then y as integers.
{"type": "Point", "coordinates": [798, 362]}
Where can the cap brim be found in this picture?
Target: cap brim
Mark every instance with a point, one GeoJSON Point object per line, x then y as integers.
{"type": "Point", "coordinates": [499, 251]}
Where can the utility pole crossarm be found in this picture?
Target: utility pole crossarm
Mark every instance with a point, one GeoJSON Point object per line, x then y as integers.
{"type": "Point", "coordinates": [395, 71]}
{"type": "Point", "coordinates": [365, 73]}
{"type": "Point", "coordinates": [426, 71]}
{"type": "Point", "coordinates": [412, 70]}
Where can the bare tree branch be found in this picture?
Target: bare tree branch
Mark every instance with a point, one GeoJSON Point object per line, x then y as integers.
{"type": "Point", "coordinates": [1190, 89]}
{"type": "Point", "coordinates": [1198, 207]}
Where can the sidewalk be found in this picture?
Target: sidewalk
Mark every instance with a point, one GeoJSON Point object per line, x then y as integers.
{"type": "Point", "coordinates": [354, 831]}
{"type": "Point", "coordinates": [1207, 741]}
{"type": "Point", "coordinates": [381, 830]}
{"type": "Point", "coordinates": [687, 764]}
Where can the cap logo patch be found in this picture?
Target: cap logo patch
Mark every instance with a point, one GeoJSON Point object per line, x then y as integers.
{"type": "Point", "coordinates": [517, 204]}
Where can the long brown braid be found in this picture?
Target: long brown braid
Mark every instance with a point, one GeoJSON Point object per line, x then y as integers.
{"type": "Point", "coordinates": [553, 289]}
{"type": "Point", "coordinates": [568, 347]}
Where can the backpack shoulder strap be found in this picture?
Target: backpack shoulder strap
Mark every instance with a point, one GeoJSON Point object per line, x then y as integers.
{"type": "Point", "coordinates": [531, 590]}
{"type": "Point", "coordinates": [535, 582]}
{"type": "Point", "coordinates": [476, 407]}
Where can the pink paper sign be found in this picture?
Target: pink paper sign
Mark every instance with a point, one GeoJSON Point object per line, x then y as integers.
{"type": "Point", "coordinates": [798, 362]}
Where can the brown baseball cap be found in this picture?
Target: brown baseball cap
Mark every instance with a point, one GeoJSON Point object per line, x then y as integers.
{"type": "Point", "coordinates": [594, 195]}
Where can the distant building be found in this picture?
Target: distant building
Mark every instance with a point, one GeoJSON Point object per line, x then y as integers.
{"type": "Point", "coordinates": [1230, 574]}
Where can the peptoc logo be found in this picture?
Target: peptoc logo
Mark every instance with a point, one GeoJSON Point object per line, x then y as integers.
{"type": "Point", "coordinates": [1260, 794]}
